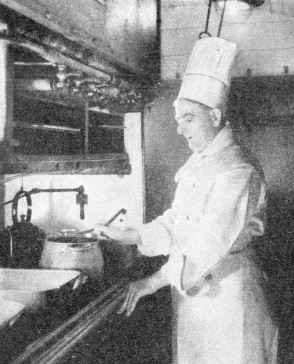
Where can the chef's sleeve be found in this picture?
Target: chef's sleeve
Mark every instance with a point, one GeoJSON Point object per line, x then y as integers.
{"type": "Point", "coordinates": [157, 236]}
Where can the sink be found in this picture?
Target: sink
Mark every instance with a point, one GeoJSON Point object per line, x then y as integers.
{"type": "Point", "coordinates": [31, 286]}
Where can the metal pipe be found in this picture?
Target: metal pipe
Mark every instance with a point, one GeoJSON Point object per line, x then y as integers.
{"type": "Point", "coordinates": [10, 244]}
{"type": "Point", "coordinates": [86, 133]}
{"type": "Point", "coordinates": [54, 56]}
{"type": "Point", "coordinates": [39, 190]}
{"type": "Point", "coordinates": [80, 190]}
{"type": "Point", "coordinates": [5, 92]}
{"type": "Point", "coordinates": [65, 129]}
{"type": "Point", "coordinates": [43, 84]}
{"type": "Point", "coordinates": [40, 84]}
{"type": "Point", "coordinates": [6, 104]}
{"type": "Point", "coordinates": [64, 45]}
{"type": "Point", "coordinates": [104, 126]}
{"type": "Point", "coordinates": [92, 57]}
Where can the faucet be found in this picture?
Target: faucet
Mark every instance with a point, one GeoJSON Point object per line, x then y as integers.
{"type": "Point", "coordinates": [82, 200]}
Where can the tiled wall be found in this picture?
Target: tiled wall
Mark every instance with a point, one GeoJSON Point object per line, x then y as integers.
{"type": "Point", "coordinates": [266, 39]}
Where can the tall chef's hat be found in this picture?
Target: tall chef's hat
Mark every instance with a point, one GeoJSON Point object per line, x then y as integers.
{"type": "Point", "coordinates": [207, 77]}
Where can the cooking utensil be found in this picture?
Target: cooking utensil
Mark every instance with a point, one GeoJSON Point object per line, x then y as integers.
{"type": "Point", "coordinates": [121, 211]}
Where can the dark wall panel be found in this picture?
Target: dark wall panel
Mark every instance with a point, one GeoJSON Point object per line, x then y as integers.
{"type": "Point", "coordinates": [165, 152]}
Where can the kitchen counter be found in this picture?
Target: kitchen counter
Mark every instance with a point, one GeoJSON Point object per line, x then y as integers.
{"type": "Point", "coordinates": [144, 337]}
{"type": "Point", "coordinates": [86, 324]}
{"type": "Point", "coordinates": [50, 331]}
{"type": "Point", "coordinates": [52, 346]}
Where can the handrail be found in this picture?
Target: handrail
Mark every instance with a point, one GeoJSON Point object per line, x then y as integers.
{"type": "Point", "coordinates": [50, 348]}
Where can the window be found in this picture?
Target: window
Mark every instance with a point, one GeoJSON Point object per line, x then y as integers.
{"type": "Point", "coordinates": [43, 128]}
{"type": "Point", "coordinates": [56, 137]}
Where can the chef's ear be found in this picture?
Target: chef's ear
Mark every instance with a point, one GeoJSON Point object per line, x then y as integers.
{"type": "Point", "coordinates": [216, 116]}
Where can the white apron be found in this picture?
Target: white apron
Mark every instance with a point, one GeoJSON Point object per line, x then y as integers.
{"type": "Point", "coordinates": [220, 312]}
{"type": "Point", "coordinates": [227, 321]}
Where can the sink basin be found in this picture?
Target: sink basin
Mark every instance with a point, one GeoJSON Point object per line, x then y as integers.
{"type": "Point", "coordinates": [30, 286]}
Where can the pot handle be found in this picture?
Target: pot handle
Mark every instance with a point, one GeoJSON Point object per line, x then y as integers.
{"type": "Point", "coordinates": [15, 318]}
{"type": "Point", "coordinates": [81, 279]}
{"type": "Point", "coordinates": [78, 247]}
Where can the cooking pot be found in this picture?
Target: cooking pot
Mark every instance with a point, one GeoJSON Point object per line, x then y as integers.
{"type": "Point", "coordinates": [68, 250]}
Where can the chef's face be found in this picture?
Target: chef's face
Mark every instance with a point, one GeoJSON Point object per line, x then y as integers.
{"type": "Point", "coordinates": [198, 123]}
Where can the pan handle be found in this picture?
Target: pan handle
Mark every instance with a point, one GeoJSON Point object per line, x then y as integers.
{"type": "Point", "coordinates": [121, 211]}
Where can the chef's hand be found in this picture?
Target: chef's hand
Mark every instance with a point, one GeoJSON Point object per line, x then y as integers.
{"type": "Point", "coordinates": [141, 288]}
{"type": "Point", "coordinates": [121, 236]}
{"type": "Point", "coordinates": [135, 291]}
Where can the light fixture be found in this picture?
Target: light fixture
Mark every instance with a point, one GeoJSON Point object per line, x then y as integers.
{"type": "Point", "coordinates": [236, 11]}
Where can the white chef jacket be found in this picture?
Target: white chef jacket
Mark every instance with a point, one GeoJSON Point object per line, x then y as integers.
{"type": "Point", "coordinates": [219, 205]}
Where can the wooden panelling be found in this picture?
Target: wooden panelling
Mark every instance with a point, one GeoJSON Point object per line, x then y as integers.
{"type": "Point", "coordinates": [124, 32]}
{"type": "Point", "coordinates": [79, 21]}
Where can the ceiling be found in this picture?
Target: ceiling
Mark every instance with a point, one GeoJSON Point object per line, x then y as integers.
{"type": "Point", "coordinates": [283, 7]}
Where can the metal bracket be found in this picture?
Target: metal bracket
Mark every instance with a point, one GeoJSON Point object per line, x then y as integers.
{"type": "Point", "coordinates": [82, 200]}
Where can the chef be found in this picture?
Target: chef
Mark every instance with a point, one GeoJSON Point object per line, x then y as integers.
{"type": "Point", "coordinates": [221, 314]}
